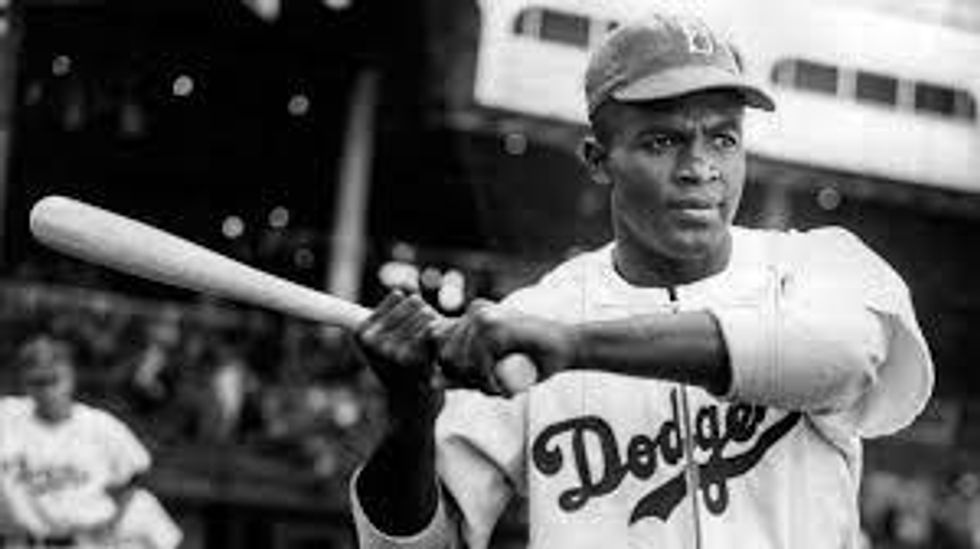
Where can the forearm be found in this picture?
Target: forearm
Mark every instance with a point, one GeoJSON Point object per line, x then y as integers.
{"type": "Point", "coordinates": [799, 356]}
{"type": "Point", "coordinates": [398, 487]}
{"type": "Point", "coordinates": [121, 496]}
{"type": "Point", "coordinates": [686, 347]}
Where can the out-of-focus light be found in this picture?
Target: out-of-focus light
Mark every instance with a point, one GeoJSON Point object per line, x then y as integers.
{"type": "Point", "coordinates": [183, 86]}
{"type": "Point", "coordinates": [338, 4]}
{"type": "Point", "coordinates": [396, 274]}
{"type": "Point", "coordinates": [431, 278]}
{"type": "Point", "coordinates": [451, 298]}
{"type": "Point", "coordinates": [61, 65]}
{"type": "Point", "coordinates": [33, 94]}
{"type": "Point", "coordinates": [452, 293]}
{"type": "Point", "coordinates": [299, 105]}
{"type": "Point", "coordinates": [268, 10]}
{"type": "Point", "coordinates": [403, 252]}
{"type": "Point", "coordinates": [279, 217]}
{"type": "Point", "coordinates": [303, 258]}
{"type": "Point", "coordinates": [347, 410]}
{"type": "Point", "coordinates": [829, 198]}
{"type": "Point", "coordinates": [515, 143]}
{"type": "Point", "coordinates": [454, 277]}
{"type": "Point", "coordinates": [233, 227]}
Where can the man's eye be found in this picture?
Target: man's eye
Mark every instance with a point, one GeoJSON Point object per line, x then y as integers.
{"type": "Point", "coordinates": [659, 142]}
{"type": "Point", "coordinates": [726, 141]}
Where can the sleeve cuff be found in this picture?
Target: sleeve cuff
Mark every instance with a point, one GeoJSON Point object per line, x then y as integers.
{"type": "Point", "coordinates": [436, 534]}
{"type": "Point", "coordinates": [752, 360]}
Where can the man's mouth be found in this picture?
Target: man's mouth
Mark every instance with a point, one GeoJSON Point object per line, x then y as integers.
{"type": "Point", "coordinates": [695, 203]}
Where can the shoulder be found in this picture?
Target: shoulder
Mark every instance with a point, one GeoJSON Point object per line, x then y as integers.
{"type": "Point", "coordinates": [562, 284]}
{"type": "Point", "coordinates": [576, 268]}
{"type": "Point", "coordinates": [835, 251]}
{"type": "Point", "coordinates": [823, 252]}
{"type": "Point", "coordinates": [829, 239]}
{"type": "Point", "coordinates": [99, 418]}
{"type": "Point", "coordinates": [14, 406]}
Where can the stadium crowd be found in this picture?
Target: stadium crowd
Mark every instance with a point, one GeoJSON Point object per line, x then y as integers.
{"type": "Point", "coordinates": [207, 374]}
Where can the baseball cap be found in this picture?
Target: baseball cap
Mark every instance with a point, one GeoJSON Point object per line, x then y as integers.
{"type": "Point", "coordinates": [663, 56]}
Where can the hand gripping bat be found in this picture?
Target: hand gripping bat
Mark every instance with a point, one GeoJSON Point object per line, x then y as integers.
{"type": "Point", "coordinates": [97, 235]}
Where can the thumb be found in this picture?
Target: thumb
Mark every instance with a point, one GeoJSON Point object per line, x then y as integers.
{"type": "Point", "coordinates": [478, 304]}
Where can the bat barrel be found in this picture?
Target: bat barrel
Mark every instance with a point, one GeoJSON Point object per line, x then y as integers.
{"type": "Point", "coordinates": [112, 240]}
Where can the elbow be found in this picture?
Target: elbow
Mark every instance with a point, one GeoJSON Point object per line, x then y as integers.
{"type": "Point", "coordinates": [816, 363]}
{"type": "Point", "coordinates": [836, 379]}
{"type": "Point", "coordinates": [832, 360]}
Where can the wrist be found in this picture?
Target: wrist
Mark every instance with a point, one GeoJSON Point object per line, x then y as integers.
{"type": "Point", "coordinates": [416, 408]}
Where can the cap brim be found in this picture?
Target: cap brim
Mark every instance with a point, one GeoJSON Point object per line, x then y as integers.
{"type": "Point", "coordinates": [682, 81]}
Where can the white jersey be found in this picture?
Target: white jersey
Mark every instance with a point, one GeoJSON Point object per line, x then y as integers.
{"type": "Point", "coordinates": [825, 350]}
{"type": "Point", "coordinates": [53, 477]}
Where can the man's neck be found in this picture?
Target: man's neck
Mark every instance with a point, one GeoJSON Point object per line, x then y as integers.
{"type": "Point", "coordinates": [54, 416]}
{"type": "Point", "coordinates": [649, 269]}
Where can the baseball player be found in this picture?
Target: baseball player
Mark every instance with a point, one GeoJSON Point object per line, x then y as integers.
{"type": "Point", "coordinates": [69, 473]}
{"type": "Point", "coordinates": [701, 385]}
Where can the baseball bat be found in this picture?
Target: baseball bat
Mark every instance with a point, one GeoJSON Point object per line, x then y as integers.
{"type": "Point", "coordinates": [106, 238]}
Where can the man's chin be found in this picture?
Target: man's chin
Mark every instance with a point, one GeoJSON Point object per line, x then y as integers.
{"type": "Point", "coordinates": [700, 244]}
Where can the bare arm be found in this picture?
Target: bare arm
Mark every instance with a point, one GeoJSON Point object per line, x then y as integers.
{"type": "Point", "coordinates": [800, 356]}
{"type": "Point", "coordinates": [685, 347]}
{"type": "Point", "coordinates": [121, 494]}
{"type": "Point", "coordinates": [397, 488]}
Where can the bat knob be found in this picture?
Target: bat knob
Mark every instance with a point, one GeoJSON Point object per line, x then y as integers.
{"type": "Point", "coordinates": [516, 373]}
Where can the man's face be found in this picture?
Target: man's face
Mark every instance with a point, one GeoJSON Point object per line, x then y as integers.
{"type": "Point", "coordinates": [677, 171]}
{"type": "Point", "coordinates": [51, 385]}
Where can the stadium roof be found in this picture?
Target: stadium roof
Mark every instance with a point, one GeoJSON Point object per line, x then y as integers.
{"type": "Point", "coordinates": [961, 14]}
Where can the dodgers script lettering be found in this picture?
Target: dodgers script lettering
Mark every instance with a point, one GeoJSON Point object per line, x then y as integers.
{"type": "Point", "coordinates": [714, 429]}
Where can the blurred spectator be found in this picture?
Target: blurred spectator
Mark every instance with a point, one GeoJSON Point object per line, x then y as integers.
{"type": "Point", "coordinates": [922, 511]}
{"type": "Point", "coordinates": [955, 510]}
{"type": "Point", "coordinates": [84, 497]}
{"type": "Point", "coordinates": [231, 382]}
{"type": "Point", "coordinates": [155, 365]}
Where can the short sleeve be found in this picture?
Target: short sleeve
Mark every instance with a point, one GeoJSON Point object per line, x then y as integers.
{"type": "Point", "coordinates": [481, 458]}
{"type": "Point", "coordinates": [438, 534]}
{"type": "Point", "coordinates": [127, 456]}
{"type": "Point", "coordinates": [480, 461]}
{"type": "Point", "coordinates": [906, 377]}
{"type": "Point", "coordinates": [840, 329]}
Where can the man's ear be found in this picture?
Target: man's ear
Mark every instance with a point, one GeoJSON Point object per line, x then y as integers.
{"type": "Point", "coordinates": [594, 154]}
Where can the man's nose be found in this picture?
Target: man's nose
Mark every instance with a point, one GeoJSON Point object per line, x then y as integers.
{"type": "Point", "coordinates": [696, 167]}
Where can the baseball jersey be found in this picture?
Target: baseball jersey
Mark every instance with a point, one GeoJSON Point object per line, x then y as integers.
{"type": "Point", "coordinates": [825, 350]}
{"type": "Point", "coordinates": [53, 477]}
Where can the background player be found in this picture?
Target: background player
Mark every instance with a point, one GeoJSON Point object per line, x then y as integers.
{"type": "Point", "coordinates": [69, 473]}
{"type": "Point", "coordinates": [709, 385]}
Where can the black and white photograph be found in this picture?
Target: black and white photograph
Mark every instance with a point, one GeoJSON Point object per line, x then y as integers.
{"type": "Point", "coordinates": [489, 274]}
